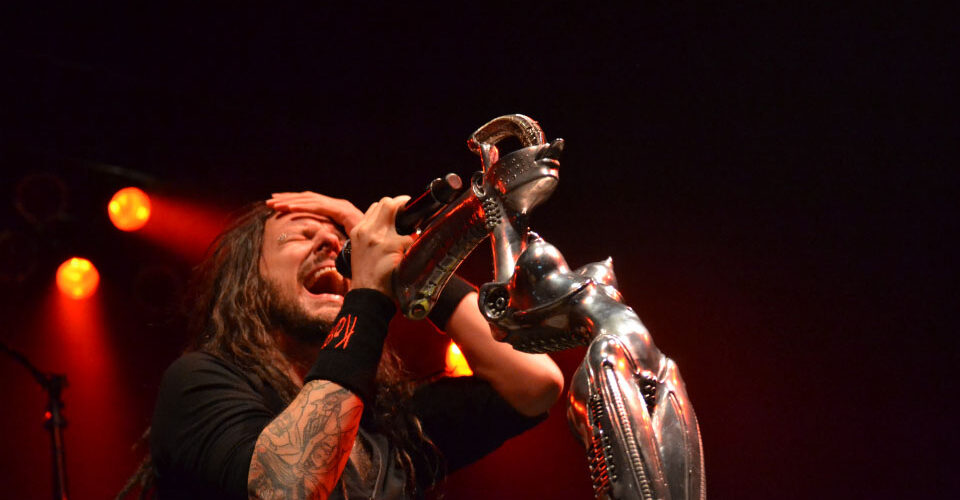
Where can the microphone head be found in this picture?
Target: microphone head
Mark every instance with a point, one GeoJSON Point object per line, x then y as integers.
{"type": "Point", "coordinates": [446, 189]}
{"type": "Point", "coordinates": [342, 262]}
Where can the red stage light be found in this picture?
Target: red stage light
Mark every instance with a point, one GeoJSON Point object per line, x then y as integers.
{"type": "Point", "coordinates": [77, 278]}
{"type": "Point", "coordinates": [129, 209]}
{"type": "Point", "coordinates": [184, 226]}
{"type": "Point", "coordinates": [456, 364]}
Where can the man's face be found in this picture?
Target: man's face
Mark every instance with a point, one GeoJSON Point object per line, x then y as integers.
{"type": "Point", "coordinates": [297, 261]}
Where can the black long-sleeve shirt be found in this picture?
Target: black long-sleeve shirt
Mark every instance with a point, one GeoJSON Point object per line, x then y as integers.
{"type": "Point", "coordinates": [209, 414]}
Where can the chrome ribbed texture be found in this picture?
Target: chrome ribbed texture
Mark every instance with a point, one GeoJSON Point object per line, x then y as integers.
{"type": "Point", "coordinates": [627, 403]}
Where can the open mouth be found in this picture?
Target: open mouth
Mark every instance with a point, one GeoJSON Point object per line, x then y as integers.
{"type": "Point", "coordinates": [325, 281]}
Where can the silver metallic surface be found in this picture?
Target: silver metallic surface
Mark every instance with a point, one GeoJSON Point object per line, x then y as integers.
{"type": "Point", "coordinates": [496, 205]}
{"type": "Point", "coordinates": [627, 403]}
{"type": "Point", "coordinates": [436, 254]}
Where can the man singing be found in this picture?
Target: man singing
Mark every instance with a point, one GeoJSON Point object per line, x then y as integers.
{"type": "Point", "coordinates": [286, 391]}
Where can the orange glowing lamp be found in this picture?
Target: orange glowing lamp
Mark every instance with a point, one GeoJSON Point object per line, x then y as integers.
{"type": "Point", "coordinates": [129, 209]}
{"type": "Point", "coordinates": [456, 364]}
{"type": "Point", "coordinates": [77, 278]}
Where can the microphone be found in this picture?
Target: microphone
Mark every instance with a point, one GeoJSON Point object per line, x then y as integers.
{"type": "Point", "coordinates": [439, 193]}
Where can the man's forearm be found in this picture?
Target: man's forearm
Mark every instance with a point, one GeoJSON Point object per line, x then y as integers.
{"type": "Point", "coordinates": [530, 383]}
{"type": "Point", "coordinates": [302, 452]}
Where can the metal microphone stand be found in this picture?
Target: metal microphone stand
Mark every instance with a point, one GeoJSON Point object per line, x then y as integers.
{"type": "Point", "coordinates": [53, 384]}
{"type": "Point", "coordinates": [627, 404]}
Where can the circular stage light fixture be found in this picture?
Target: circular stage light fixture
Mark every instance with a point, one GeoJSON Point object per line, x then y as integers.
{"type": "Point", "coordinates": [129, 209]}
{"type": "Point", "coordinates": [77, 278]}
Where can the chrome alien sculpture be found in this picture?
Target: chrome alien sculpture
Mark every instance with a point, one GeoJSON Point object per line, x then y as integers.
{"type": "Point", "coordinates": [627, 403]}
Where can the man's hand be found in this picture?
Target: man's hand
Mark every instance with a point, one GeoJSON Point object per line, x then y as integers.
{"type": "Point", "coordinates": [340, 211]}
{"type": "Point", "coordinates": [377, 248]}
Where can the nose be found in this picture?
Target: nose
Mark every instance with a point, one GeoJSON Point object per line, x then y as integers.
{"type": "Point", "coordinates": [327, 243]}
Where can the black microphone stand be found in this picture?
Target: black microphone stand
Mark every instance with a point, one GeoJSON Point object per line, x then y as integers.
{"type": "Point", "coordinates": [53, 383]}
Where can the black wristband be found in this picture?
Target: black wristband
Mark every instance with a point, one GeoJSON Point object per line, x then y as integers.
{"type": "Point", "coordinates": [456, 289]}
{"type": "Point", "coordinates": [351, 352]}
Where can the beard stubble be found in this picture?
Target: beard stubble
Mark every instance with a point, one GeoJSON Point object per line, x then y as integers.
{"type": "Point", "coordinates": [289, 316]}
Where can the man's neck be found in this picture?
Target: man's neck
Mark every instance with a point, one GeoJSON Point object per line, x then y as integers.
{"type": "Point", "coordinates": [299, 353]}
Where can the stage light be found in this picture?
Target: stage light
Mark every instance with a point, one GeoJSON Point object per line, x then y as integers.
{"type": "Point", "coordinates": [129, 209]}
{"type": "Point", "coordinates": [456, 364]}
{"type": "Point", "coordinates": [77, 278]}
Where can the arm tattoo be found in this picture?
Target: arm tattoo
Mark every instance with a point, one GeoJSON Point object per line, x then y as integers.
{"type": "Point", "coordinates": [302, 453]}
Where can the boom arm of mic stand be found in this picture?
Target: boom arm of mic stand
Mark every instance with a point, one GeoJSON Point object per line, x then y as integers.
{"type": "Point", "coordinates": [53, 384]}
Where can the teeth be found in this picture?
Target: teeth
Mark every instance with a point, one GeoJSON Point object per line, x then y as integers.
{"type": "Point", "coordinates": [322, 270]}
{"type": "Point", "coordinates": [335, 283]}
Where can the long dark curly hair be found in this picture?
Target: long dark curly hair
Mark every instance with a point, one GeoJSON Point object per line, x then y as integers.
{"type": "Point", "coordinates": [229, 317]}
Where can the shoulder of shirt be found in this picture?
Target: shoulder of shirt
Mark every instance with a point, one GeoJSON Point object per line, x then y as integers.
{"type": "Point", "coordinates": [197, 363]}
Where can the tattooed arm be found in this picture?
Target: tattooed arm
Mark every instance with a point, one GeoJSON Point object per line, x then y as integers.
{"type": "Point", "coordinates": [302, 452]}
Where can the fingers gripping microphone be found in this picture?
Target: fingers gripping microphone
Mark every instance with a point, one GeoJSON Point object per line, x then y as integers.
{"type": "Point", "coordinates": [438, 194]}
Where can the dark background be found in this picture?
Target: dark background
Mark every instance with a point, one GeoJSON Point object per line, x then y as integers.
{"type": "Point", "coordinates": [776, 186]}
